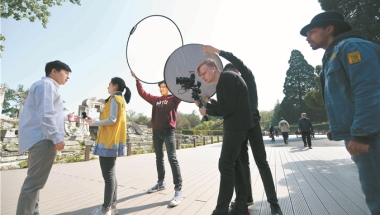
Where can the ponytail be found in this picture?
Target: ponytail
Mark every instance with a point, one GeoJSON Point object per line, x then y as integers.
{"type": "Point", "coordinates": [127, 94]}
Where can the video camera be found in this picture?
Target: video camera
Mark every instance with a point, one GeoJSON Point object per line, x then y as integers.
{"type": "Point", "coordinates": [189, 83]}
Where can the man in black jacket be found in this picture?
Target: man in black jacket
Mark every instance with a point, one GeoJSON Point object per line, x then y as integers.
{"type": "Point", "coordinates": [254, 134]}
{"type": "Point", "coordinates": [233, 105]}
{"type": "Point", "coordinates": [305, 129]}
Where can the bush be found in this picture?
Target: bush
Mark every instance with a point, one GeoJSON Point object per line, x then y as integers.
{"type": "Point", "coordinates": [23, 164]}
{"type": "Point", "coordinates": [188, 132]}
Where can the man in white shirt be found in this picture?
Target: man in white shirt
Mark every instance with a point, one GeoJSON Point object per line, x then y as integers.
{"type": "Point", "coordinates": [41, 132]}
{"type": "Point", "coordinates": [285, 128]}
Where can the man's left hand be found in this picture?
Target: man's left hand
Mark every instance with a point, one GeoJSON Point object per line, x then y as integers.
{"type": "Point", "coordinates": [72, 118]}
{"type": "Point", "coordinates": [356, 148]}
{"type": "Point", "coordinates": [202, 111]}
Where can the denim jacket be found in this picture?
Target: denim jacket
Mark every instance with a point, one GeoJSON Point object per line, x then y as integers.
{"type": "Point", "coordinates": [350, 80]}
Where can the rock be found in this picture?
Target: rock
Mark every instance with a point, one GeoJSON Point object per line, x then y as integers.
{"type": "Point", "coordinates": [11, 149]}
{"type": "Point", "coordinates": [71, 143]}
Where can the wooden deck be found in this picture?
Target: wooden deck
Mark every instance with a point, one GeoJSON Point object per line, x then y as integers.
{"type": "Point", "coordinates": [323, 180]}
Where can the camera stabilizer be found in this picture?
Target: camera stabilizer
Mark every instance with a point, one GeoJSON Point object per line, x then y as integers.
{"type": "Point", "coordinates": [189, 83]}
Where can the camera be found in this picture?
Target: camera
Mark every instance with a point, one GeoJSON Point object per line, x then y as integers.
{"type": "Point", "coordinates": [185, 82]}
{"type": "Point", "coordinates": [84, 115]}
{"type": "Point", "coordinates": [189, 83]}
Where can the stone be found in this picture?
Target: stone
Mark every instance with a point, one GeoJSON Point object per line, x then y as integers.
{"type": "Point", "coordinates": [71, 143]}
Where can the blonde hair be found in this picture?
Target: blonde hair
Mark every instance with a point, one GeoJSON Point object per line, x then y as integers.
{"type": "Point", "coordinates": [209, 62]}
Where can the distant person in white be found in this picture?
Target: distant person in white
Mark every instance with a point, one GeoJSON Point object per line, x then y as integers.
{"type": "Point", "coordinates": [41, 131]}
{"type": "Point", "coordinates": [285, 128]}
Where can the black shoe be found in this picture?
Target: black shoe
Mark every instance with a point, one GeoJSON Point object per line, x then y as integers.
{"type": "Point", "coordinates": [310, 147]}
{"type": "Point", "coordinates": [275, 209]}
{"type": "Point", "coordinates": [304, 145]}
{"type": "Point", "coordinates": [233, 203]}
{"type": "Point", "coordinates": [234, 211]}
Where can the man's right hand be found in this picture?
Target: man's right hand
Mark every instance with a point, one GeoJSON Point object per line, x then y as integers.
{"type": "Point", "coordinates": [210, 49]}
{"type": "Point", "coordinates": [133, 74]}
{"type": "Point", "coordinates": [59, 146]}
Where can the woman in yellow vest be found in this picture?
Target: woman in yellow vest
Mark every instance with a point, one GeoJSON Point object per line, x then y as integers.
{"type": "Point", "coordinates": [111, 141]}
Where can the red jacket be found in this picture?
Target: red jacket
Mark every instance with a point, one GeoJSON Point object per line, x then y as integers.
{"type": "Point", "coordinates": [164, 109]}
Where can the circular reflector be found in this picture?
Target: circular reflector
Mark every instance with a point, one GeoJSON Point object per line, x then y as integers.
{"type": "Point", "coordinates": [149, 44]}
{"type": "Point", "coordinates": [181, 64]}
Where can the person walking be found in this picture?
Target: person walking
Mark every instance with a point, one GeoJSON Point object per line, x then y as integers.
{"type": "Point", "coordinates": [285, 128]}
{"type": "Point", "coordinates": [163, 123]}
{"type": "Point", "coordinates": [350, 80]}
{"type": "Point", "coordinates": [41, 133]}
{"type": "Point", "coordinates": [271, 131]}
{"type": "Point", "coordinates": [305, 128]}
{"type": "Point", "coordinates": [111, 141]}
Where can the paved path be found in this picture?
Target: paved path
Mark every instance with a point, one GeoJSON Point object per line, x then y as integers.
{"type": "Point", "coordinates": [322, 180]}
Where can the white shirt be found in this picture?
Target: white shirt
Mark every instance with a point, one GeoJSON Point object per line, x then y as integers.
{"type": "Point", "coordinates": [42, 116]}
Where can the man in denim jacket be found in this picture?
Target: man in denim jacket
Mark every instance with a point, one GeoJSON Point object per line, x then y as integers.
{"type": "Point", "coordinates": [350, 80]}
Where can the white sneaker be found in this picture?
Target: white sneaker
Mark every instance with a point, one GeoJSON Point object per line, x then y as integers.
{"type": "Point", "coordinates": [98, 211]}
{"type": "Point", "coordinates": [176, 199]}
{"type": "Point", "coordinates": [114, 211]}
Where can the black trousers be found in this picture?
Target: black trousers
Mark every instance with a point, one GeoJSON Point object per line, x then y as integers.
{"type": "Point", "coordinates": [255, 138]}
{"type": "Point", "coordinates": [231, 172]}
{"type": "Point", "coordinates": [285, 135]}
{"type": "Point", "coordinates": [306, 135]}
{"type": "Point", "coordinates": [107, 164]}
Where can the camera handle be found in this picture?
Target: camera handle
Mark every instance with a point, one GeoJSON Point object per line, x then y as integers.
{"type": "Point", "coordinates": [205, 118]}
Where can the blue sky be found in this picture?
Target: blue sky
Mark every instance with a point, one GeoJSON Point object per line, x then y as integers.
{"type": "Point", "coordinates": [92, 39]}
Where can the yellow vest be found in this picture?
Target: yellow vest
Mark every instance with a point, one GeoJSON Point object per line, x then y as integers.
{"type": "Point", "coordinates": [111, 141]}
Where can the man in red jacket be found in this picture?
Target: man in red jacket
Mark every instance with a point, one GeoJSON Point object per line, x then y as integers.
{"type": "Point", "coordinates": [163, 123]}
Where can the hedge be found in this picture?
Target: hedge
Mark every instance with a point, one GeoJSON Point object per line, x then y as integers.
{"type": "Point", "coordinates": [203, 132]}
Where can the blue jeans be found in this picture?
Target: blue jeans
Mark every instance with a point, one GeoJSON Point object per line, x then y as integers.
{"type": "Point", "coordinates": [369, 173]}
{"type": "Point", "coordinates": [167, 136]}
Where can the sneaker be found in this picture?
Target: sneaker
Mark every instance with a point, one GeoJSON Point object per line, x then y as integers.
{"type": "Point", "coordinates": [233, 203]}
{"type": "Point", "coordinates": [98, 211]}
{"type": "Point", "coordinates": [177, 198]}
{"type": "Point", "coordinates": [310, 147]}
{"type": "Point", "coordinates": [114, 211]}
{"type": "Point", "coordinates": [157, 187]}
{"type": "Point", "coordinates": [275, 209]}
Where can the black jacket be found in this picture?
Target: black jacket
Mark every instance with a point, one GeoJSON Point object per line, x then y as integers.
{"type": "Point", "coordinates": [233, 103]}
{"type": "Point", "coordinates": [249, 79]}
{"type": "Point", "coordinates": [304, 124]}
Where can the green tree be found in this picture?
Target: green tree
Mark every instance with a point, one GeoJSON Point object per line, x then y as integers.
{"type": "Point", "coordinates": [11, 102]}
{"type": "Point", "coordinates": [299, 80]}
{"type": "Point", "coordinates": [362, 14]}
{"type": "Point", "coordinates": [27, 9]}
{"type": "Point", "coordinates": [266, 119]}
{"type": "Point", "coordinates": [9, 98]}
{"type": "Point", "coordinates": [182, 122]}
{"type": "Point", "coordinates": [276, 110]}
{"type": "Point", "coordinates": [205, 125]}
{"type": "Point", "coordinates": [313, 98]}
{"type": "Point", "coordinates": [193, 118]}
{"type": "Point", "coordinates": [138, 118]}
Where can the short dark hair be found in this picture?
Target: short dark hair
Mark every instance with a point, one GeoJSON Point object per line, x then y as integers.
{"type": "Point", "coordinates": [121, 86]}
{"type": "Point", "coordinates": [57, 65]}
{"type": "Point", "coordinates": [162, 82]}
{"type": "Point", "coordinates": [229, 66]}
